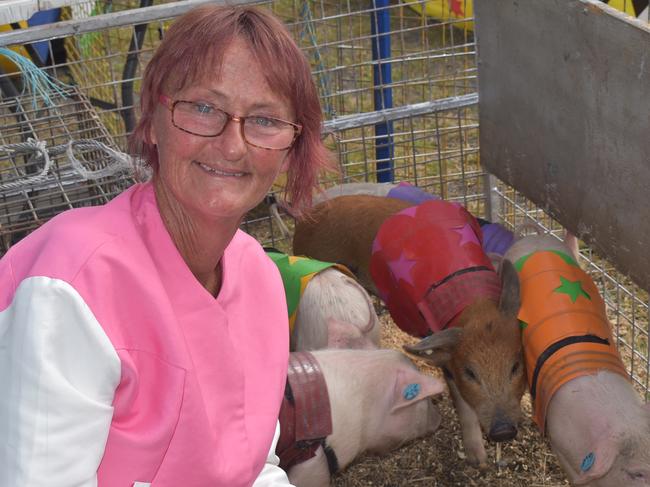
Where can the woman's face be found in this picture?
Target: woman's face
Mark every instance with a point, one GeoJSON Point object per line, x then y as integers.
{"type": "Point", "coordinates": [223, 176]}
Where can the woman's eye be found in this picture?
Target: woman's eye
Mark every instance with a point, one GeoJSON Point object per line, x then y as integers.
{"type": "Point", "coordinates": [264, 122]}
{"type": "Point", "coordinates": [203, 108]}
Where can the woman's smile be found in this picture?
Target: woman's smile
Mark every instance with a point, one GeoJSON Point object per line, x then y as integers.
{"type": "Point", "coordinates": [213, 171]}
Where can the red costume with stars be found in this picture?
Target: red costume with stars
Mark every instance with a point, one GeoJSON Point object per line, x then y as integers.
{"type": "Point", "coordinates": [428, 265]}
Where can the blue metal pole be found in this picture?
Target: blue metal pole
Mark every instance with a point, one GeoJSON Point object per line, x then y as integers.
{"type": "Point", "coordinates": [384, 147]}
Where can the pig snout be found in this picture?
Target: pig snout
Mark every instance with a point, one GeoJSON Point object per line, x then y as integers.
{"type": "Point", "coordinates": [502, 429]}
{"type": "Point", "coordinates": [599, 429]}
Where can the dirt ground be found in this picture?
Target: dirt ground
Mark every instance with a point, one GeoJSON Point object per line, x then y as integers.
{"type": "Point", "coordinates": [438, 460]}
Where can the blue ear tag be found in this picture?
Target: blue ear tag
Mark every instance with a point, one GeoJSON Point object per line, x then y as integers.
{"type": "Point", "coordinates": [411, 391]}
{"type": "Point", "coordinates": [588, 462]}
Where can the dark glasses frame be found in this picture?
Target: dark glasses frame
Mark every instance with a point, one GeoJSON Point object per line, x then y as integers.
{"type": "Point", "coordinates": [170, 104]}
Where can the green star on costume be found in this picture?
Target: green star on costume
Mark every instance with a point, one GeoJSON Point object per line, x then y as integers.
{"type": "Point", "coordinates": [572, 288]}
{"type": "Point", "coordinates": [522, 325]}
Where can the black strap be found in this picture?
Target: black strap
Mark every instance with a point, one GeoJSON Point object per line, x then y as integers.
{"type": "Point", "coordinates": [459, 273]}
{"type": "Point", "coordinates": [288, 393]}
{"type": "Point", "coordinates": [332, 461]}
{"type": "Point", "coordinates": [551, 349]}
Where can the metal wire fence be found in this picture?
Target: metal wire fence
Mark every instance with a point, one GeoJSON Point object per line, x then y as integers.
{"type": "Point", "coordinates": [398, 89]}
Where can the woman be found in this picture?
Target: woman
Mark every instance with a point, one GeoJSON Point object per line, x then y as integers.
{"type": "Point", "coordinates": [146, 341]}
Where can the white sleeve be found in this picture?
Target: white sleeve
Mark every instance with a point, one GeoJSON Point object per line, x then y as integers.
{"type": "Point", "coordinates": [272, 475]}
{"type": "Point", "coordinates": [58, 375]}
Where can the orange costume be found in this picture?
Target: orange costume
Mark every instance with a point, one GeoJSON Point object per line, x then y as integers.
{"type": "Point", "coordinates": [566, 333]}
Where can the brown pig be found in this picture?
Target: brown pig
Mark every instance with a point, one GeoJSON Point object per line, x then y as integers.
{"type": "Point", "coordinates": [479, 347]}
{"type": "Point", "coordinates": [596, 423]}
{"type": "Point", "coordinates": [481, 358]}
{"type": "Point", "coordinates": [342, 230]}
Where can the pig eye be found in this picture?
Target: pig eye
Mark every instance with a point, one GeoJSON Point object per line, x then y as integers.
{"type": "Point", "coordinates": [469, 373]}
{"type": "Point", "coordinates": [635, 475]}
{"type": "Point", "coordinates": [515, 368]}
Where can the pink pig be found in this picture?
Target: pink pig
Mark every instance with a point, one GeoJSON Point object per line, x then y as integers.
{"type": "Point", "coordinates": [335, 312]}
{"type": "Point", "coordinates": [379, 401]}
{"type": "Point", "coordinates": [597, 424]}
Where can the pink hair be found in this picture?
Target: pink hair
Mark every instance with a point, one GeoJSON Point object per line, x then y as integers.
{"type": "Point", "coordinates": [193, 50]}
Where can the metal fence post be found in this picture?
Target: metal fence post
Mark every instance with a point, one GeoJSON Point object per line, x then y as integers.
{"type": "Point", "coordinates": [381, 51]}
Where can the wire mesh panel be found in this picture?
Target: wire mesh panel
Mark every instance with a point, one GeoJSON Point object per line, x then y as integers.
{"type": "Point", "coordinates": [436, 150]}
{"type": "Point", "coordinates": [37, 177]}
{"type": "Point", "coordinates": [428, 60]}
{"type": "Point", "coordinates": [107, 64]}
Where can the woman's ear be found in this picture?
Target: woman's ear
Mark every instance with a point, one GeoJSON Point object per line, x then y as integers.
{"type": "Point", "coordinates": [151, 134]}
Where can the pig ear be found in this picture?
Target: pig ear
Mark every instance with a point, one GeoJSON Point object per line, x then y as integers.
{"type": "Point", "coordinates": [571, 241]}
{"type": "Point", "coordinates": [509, 302]}
{"type": "Point", "coordinates": [340, 333]}
{"type": "Point", "coordinates": [438, 347]}
{"type": "Point", "coordinates": [412, 386]}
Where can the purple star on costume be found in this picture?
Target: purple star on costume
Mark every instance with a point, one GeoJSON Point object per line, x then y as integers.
{"type": "Point", "coordinates": [410, 211]}
{"type": "Point", "coordinates": [401, 268]}
{"type": "Point", "coordinates": [467, 234]}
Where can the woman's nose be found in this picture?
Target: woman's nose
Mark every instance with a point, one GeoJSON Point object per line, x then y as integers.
{"type": "Point", "coordinates": [231, 141]}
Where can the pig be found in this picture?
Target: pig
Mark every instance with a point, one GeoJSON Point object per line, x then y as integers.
{"type": "Point", "coordinates": [379, 401]}
{"type": "Point", "coordinates": [342, 230]}
{"type": "Point", "coordinates": [347, 189]}
{"type": "Point", "coordinates": [496, 238]}
{"type": "Point", "coordinates": [597, 425]}
{"type": "Point", "coordinates": [327, 307]}
{"type": "Point", "coordinates": [335, 312]}
{"type": "Point", "coordinates": [481, 355]}
{"type": "Point", "coordinates": [402, 191]}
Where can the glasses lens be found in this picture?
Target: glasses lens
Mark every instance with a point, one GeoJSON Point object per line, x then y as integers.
{"type": "Point", "coordinates": [199, 118]}
{"type": "Point", "coordinates": [268, 132]}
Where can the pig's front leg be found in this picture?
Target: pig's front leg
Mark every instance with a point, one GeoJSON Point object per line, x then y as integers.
{"type": "Point", "coordinates": [311, 473]}
{"type": "Point", "coordinates": [470, 428]}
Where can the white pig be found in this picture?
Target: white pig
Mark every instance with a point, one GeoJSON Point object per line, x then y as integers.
{"type": "Point", "coordinates": [335, 312]}
{"type": "Point", "coordinates": [372, 410]}
{"type": "Point", "coordinates": [597, 424]}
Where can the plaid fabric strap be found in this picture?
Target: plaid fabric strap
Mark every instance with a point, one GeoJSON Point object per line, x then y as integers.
{"type": "Point", "coordinates": [305, 414]}
{"type": "Point", "coordinates": [445, 300]}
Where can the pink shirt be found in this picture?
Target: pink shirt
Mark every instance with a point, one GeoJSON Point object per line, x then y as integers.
{"type": "Point", "coordinates": [166, 384]}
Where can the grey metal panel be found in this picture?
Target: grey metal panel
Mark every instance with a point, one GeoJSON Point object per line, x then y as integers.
{"type": "Point", "coordinates": [564, 102]}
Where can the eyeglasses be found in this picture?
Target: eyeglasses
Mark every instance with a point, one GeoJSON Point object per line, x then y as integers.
{"type": "Point", "coordinates": [204, 120]}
